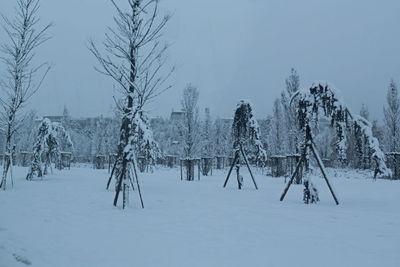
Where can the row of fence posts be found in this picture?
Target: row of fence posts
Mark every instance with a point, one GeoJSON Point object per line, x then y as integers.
{"type": "Point", "coordinates": [279, 165]}
{"type": "Point", "coordinates": [24, 159]}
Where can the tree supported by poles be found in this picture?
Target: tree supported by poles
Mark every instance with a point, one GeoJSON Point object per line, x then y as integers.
{"type": "Point", "coordinates": [323, 98]}
{"type": "Point", "coordinates": [47, 146]}
{"type": "Point", "coordinates": [246, 134]}
{"type": "Point", "coordinates": [134, 60]}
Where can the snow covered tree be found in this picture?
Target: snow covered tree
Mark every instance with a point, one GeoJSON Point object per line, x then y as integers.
{"type": "Point", "coordinates": [222, 141]}
{"type": "Point", "coordinates": [358, 152]}
{"type": "Point", "coordinates": [25, 136]}
{"type": "Point", "coordinates": [323, 100]}
{"type": "Point", "coordinates": [67, 123]}
{"type": "Point", "coordinates": [191, 122]}
{"type": "Point", "coordinates": [290, 112]}
{"type": "Point", "coordinates": [101, 136]}
{"type": "Point", "coordinates": [166, 133]}
{"type": "Point", "coordinates": [47, 146]}
{"type": "Point", "coordinates": [246, 140]}
{"type": "Point", "coordinates": [134, 58]}
{"type": "Point", "coordinates": [207, 148]}
{"type": "Point", "coordinates": [190, 128]}
{"type": "Point", "coordinates": [392, 118]}
{"type": "Point", "coordinates": [207, 136]}
{"type": "Point", "coordinates": [246, 131]}
{"type": "Point", "coordinates": [22, 76]}
{"type": "Point", "coordinates": [362, 143]}
{"type": "Point", "coordinates": [278, 132]}
{"type": "Point", "coordinates": [378, 131]}
{"type": "Point", "coordinates": [364, 112]}
{"type": "Point", "coordinates": [145, 145]}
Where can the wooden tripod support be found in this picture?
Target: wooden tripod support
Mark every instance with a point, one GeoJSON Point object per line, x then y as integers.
{"type": "Point", "coordinates": [131, 171]}
{"type": "Point", "coordinates": [236, 161]}
{"type": "Point", "coordinates": [310, 145]}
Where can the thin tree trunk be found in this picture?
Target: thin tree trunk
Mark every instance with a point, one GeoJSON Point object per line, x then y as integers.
{"type": "Point", "coordinates": [7, 160]}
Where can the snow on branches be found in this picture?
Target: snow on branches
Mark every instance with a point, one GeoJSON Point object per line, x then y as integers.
{"type": "Point", "coordinates": [323, 98]}
{"type": "Point", "coordinates": [47, 146]}
{"type": "Point", "coordinates": [141, 141]}
{"type": "Point", "coordinates": [245, 129]}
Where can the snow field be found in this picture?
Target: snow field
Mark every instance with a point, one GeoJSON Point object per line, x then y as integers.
{"type": "Point", "coordinates": [68, 220]}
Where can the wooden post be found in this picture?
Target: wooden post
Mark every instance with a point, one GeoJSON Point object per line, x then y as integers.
{"type": "Point", "coordinates": [121, 177]}
{"type": "Point", "coordinates": [131, 176]}
{"type": "Point", "coordinates": [181, 169]}
{"type": "Point", "coordinates": [230, 170]}
{"type": "Point", "coordinates": [321, 166]}
{"type": "Point", "coordinates": [137, 184]}
{"type": "Point", "coordinates": [248, 166]}
{"type": "Point", "coordinates": [112, 174]}
{"type": "Point", "coordinates": [211, 165]}
{"type": "Point", "coordinates": [238, 178]}
{"type": "Point", "coordinates": [291, 179]}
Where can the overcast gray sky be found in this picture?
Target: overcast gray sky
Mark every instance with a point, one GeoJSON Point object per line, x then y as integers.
{"type": "Point", "coordinates": [231, 49]}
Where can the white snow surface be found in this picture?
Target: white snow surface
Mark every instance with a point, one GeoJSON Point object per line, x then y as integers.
{"type": "Point", "coordinates": [68, 220]}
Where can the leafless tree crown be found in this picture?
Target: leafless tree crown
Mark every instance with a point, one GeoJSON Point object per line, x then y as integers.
{"type": "Point", "coordinates": [134, 56]}
{"type": "Point", "coordinates": [24, 34]}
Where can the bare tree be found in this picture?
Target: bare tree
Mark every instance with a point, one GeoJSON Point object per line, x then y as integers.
{"type": "Point", "coordinates": [290, 111]}
{"type": "Point", "coordinates": [22, 77]}
{"type": "Point", "coordinates": [133, 58]}
{"type": "Point", "coordinates": [191, 126]}
{"type": "Point", "coordinates": [189, 129]}
{"type": "Point", "coordinates": [392, 118]}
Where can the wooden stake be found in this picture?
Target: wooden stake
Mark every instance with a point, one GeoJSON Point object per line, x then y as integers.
{"type": "Point", "coordinates": [198, 169]}
{"type": "Point", "coordinates": [291, 179]}
{"type": "Point", "coordinates": [119, 185]}
{"type": "Point", "coordinates": [230, 170]}
{"type": "Point", "coordinates": [248, 166]}
{"type": "Point", "coordinates": [321, 166]}
{"type": "Point", "coordinates": [112, 174]}
{"type": "Point", "coordinates": [181, 170]}
{"type": "Point", "coordinates": [137, 184]}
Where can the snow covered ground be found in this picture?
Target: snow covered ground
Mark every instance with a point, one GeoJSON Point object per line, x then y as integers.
{"type": "Point", "coordinates": [68, 220]}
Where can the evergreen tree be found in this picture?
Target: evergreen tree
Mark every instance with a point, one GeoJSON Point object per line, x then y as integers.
{"type": "Point", "coordinates": [246, 132]}
{"type": "Point", "coordinates": [246, 140]}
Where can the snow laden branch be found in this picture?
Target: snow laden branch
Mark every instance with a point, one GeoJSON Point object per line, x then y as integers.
{"type": "Point", "coordinates": [323, 99]}
{"type": "Point", "coordinates": [47, 146]}
{"type": "Point", "coordinates": [141, 142]}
